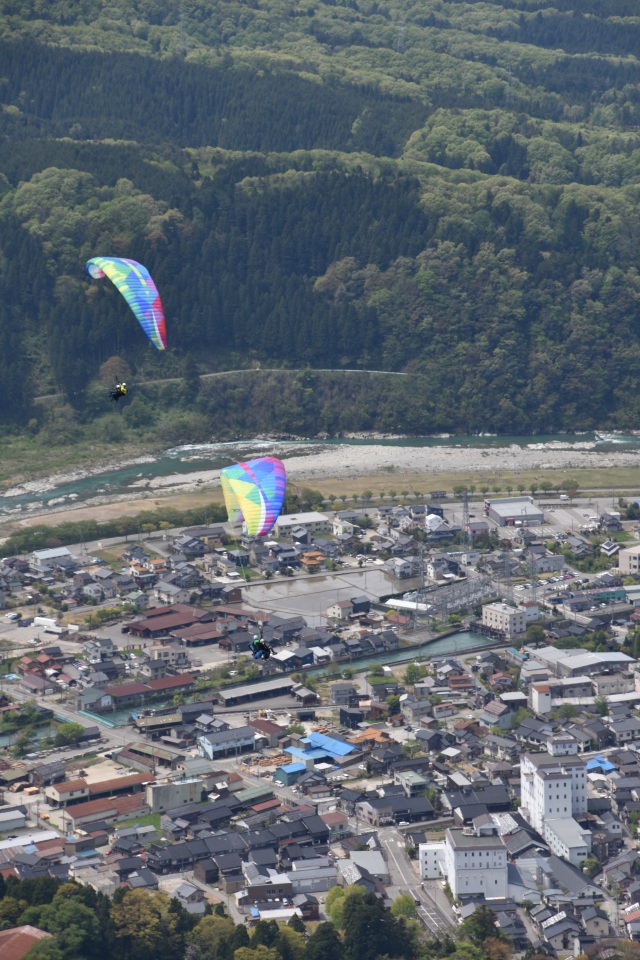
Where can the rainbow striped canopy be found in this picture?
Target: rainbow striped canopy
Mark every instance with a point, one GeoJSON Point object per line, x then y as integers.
{"type": "Point", "coordinates": [136, 286]}
{"type": "Point", "coordinates": [254, 492]}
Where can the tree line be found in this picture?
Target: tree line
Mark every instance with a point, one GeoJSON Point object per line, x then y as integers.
{"type": "Point", "coordinates": [149, 925]}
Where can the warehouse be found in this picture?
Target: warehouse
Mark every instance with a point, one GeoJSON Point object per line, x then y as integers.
{"type": "Point", "coordinates": [513, 511]}
{"type": "Point", "coordinates": [280, 687]}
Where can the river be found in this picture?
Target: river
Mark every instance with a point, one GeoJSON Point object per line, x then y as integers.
{"type": "Point", "coordinates": [131, 479]}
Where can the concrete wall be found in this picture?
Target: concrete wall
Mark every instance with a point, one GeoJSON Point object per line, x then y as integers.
{"type": "Point", "coordinates": [168, 796]}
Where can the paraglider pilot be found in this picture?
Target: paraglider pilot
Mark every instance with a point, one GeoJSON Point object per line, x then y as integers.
{"type": "Point", "coordinates": [120, 390]}
{"type": "Point", "coordinates": [260, 649]}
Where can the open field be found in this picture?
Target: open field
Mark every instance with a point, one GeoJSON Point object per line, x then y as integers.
{"type": "Point", "coordinates": [614, 481]}
{"type": "Point", "coordinates": [619, 480]}
{"type": "Point", "coordinates": [120, 508]}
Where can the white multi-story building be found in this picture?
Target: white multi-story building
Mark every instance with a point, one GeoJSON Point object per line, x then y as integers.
{"type": "Point", "coordinates": [562, 745]}
{"type": "Point", "coordinates": [540, 699]}
{"type": "Point", "coordinates": [629, 560]}
{"type": "Point", "coordinates": [312, 522]}
{"type": "Point", "coordinates": [510, 620]}
{"type": "Point", "coordinates": [568, 840]}
{"type": "Point", "coordinates": [475, 864]}
{"type": "Point", "coordinates": [431, 860]}
{"type": "Point", "coordinates": [552, 788]}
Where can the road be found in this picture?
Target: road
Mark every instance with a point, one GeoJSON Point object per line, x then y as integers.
{"type": "Point", "coordinates": [435, 916]}
{"type": "Point", "coordinates": [45, 398]}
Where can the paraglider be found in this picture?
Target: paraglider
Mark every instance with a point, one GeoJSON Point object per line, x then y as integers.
{"type": "Point", "coordinates": [254, 492]}
{"type": "Point", "coordinates": [120, 390]}
{"type": "Point", "coordinates": [136, 286]}
{"type": "Point", "coordinates": [260, 649]}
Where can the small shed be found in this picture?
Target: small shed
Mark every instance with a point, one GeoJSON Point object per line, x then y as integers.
{"type": "Point", "coordinates": [289, 773]}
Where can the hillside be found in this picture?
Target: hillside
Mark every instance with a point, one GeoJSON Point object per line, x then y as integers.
{"type": "Point", "coordinates": [443, 189]}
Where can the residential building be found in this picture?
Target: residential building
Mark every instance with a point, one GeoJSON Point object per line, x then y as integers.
{"type": "Point", "coordinates": [312, 522]}
{"type": "Point", "coordinates": [562, 745]}
{"type": "Point", "coordinates": [16, 942]}
{"type": "Point", "coordinates": [340, 610]}
{"type": "Point", "coordinates": [508, 620]}
{"type": "Point", "coordinates": [233, 741]}
{"type": "Point", "coordinates": [343, 692]}
{"type": "Point", "coordinates": [629, 560]}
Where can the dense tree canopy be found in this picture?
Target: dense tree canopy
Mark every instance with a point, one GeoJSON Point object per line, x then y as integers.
{"type": "Point", "coordinates": [441, 189]}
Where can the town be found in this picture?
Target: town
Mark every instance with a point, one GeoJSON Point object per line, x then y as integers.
{"type": "Point", "coordinates": [450, 713]}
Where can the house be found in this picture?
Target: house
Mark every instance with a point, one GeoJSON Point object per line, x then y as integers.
{"type": "Point", "coordinates": [95, 649]}
{"type": "Point", "coordinates": [502, 748]}
{"type": "Point", "coordinates": [394, 808]}
{"type": "Point", "coordinates": [625, 731]}
{"type": "Point", "coordinates": [312, 560]}
{"type": "Point", "coordinates": [41, 562]}
{"type": "Point", "coordinates": [189, 546]}
{"type": "Point", "coordinates": [413, 710]}
{"type": "Point", "coordinates": [16, 942]}
{"type": "Point", "coordinates": [343, 692]}
{"type": "Point", "coordinates": [266, 729]}
{"type": "Point", "coordinates": [166, 592]}
{"type": "Point", "coordinates": [227, 742]}
{"type": "Point", "coordinates": [340, 610]}
{"type": "Point", "coordinates": [38, 686]}
{"type": "Point", "coordinates": [496, 714]}
{"type": "Point", "coordinates": [609, 548]}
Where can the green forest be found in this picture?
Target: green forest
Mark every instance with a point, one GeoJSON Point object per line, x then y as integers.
{"type": "Point", "coordinates": [360, 215]}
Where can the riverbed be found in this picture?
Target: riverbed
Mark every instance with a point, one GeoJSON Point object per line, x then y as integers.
{"type": "Point", "coordinates": [197, 467]}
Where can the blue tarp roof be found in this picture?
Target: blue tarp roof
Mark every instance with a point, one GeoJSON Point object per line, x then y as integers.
{"type": "Point", "coordinates": [336, 747]}
{"type": "Point", "coordinates": [293, 767]}
{"type": "Point", "coordinates": [600, 763]}
{"type": "Point", "coordinates": [317, 746]}
{"type": "Point", "coordinates": [306, 754]}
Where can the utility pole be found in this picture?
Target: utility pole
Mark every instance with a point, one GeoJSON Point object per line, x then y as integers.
{"type": "Point", "coordinates": [421, 591]}
{"type": "Point", "coordinates": [400, 37]}
{"type": "Point", "coordinates": [465, 516]}
{"type": "Point", "coordinates": [534, 575]}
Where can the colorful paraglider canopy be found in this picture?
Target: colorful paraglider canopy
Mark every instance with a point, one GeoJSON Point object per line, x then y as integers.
{"type": "Point", "coordinates": [254, 492]}
{"type": "Point", "coordinates": [136, 286]}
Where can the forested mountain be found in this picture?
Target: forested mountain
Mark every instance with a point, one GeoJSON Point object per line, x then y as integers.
{"type": "Point", "coordinates": [443, 189]}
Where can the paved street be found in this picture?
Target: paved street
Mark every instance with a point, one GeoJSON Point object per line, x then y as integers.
{"type": "Point", "coordinates": [434, 909]}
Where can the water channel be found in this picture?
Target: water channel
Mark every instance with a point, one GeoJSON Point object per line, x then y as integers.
{"type": "Point", "coordinates": [462, 642]}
